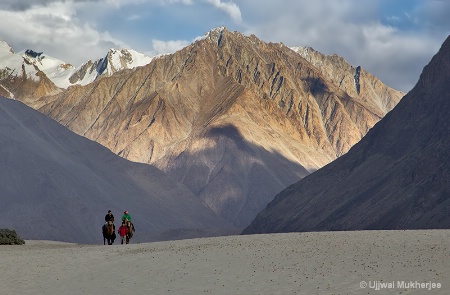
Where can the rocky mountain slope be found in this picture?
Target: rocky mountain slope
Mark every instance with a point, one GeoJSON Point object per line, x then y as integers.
{"type": "Point", "coordinates": [397, 177]}
{"type": "Point", "coordinates": [232, 117]}
{"type": "Point", "coordinates": [355, 81]}
{"type": "Point", "coordinates": [57, 185]}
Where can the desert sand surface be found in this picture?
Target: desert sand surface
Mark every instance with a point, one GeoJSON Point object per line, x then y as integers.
{"type": "Point", "coordinates": [363, 262]}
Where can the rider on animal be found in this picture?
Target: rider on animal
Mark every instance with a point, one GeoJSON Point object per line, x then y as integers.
{"type": "Point", "coordinates": [108, 229]}
{"type": "Point", "coordinates": [110, 217]}
{"type": "Point", "coordinates": [126, 216]}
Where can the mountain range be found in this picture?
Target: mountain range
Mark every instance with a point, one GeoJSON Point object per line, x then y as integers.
{"type": "Point", "coordinates": [396, 177]}
{"type": "Point", "coordinates": [233, 118]}
{"type": "Point", "coordinates": [26, 67]}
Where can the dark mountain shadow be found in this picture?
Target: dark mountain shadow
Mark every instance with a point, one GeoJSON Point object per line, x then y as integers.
{"type": "Point", "coordinates": [235, 177]}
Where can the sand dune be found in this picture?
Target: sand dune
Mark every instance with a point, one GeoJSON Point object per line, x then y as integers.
{"type": "Point", "coordinates": [295, 263]}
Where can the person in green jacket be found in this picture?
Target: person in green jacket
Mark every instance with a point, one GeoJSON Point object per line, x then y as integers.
{"type": "Point", "coordinates": [126, 216]}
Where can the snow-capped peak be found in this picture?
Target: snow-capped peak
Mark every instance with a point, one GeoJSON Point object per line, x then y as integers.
{"type": "Point", "coordinates": [114, 61]}
{"type": "Point", "coordinates": [214, 34]}
{"type": "Point", "coordinates": [14, 65]}
{"type": "Point", "coordinates": [56, 70]}
{"type": "Point", "coordinates": [303, 50]}
{"type": "Point", "coordinates": [5, 48]}
{"type": "Point", "coordinates": [64, 75]}
{"type": "Point", "coordinates": [217, 30]}
{"type": "Point", "coordinates": [125, 59]}
{"type": "Point", "coordinates": [43, 61]}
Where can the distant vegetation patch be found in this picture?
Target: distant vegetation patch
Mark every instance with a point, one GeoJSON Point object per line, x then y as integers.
{"type": "Point", "coordinates": [10, 237]}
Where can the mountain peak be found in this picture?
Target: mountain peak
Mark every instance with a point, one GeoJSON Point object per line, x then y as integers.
{"type": "Point", "coordinates": [120, 59]}
{"type": "Point", "coordinates": [22, 74]}
{"type": "Point", "coordinates": [4, 47]}
{"type": "Point", "coordinates": [214, 34]}
{"type": "Point", "coordinates": [438, 68]}
{"type": "Point", "coordinates": [218, 29]}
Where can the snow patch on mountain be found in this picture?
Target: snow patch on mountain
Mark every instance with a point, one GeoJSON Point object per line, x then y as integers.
{"type": "Point", "coordinates": [214, 34]}
{"type": "Point", "coordinates": [62, 74]}
{"type": "Point", "coordinates": [126, 58]}
{"type": "Point", "coordinates": [115, 60]}
{"type": "Point", "coordinates": [10, 94]}
{"type": "Point", "coordinates": [56, 70]}
{"type": "Point", "coordinates": [12, 64]}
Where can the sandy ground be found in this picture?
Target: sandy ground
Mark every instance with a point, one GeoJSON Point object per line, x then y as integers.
{"type": "Point", "coordinates": [297, 263]}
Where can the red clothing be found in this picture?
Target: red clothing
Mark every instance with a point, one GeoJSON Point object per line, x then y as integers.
{"type": "Point", "coordinates": [122, 231]}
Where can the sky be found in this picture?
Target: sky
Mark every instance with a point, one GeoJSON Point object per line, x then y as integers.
{"type": "Point", "coordinates": [392, 39]}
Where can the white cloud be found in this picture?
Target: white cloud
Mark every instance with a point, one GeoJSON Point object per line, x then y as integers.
{"type": "Point", "coordinates": [55, 29]}
{"type": "Point", "coordinates": [117, 3]}
{"type": "Point", "coordinates": [20, 5]}
{"type": "Point", "coordinates": [76, 30]}
{"type": "Point", "coordinates": [133, 17]}
{"type": "Point", "coordinates": [349, 28]}
{"type": "Point", "coordinates": [187, 2]}
{"type": "Point", "coordinates": [163, 47]}
{"type": "Point", "coordinates": [396, 58]}
{"type": "Point", "coordinates": [228, 7]}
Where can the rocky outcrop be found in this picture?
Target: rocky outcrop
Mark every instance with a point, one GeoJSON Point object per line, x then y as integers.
{"type": "Point", "coordinates": [396, 177]}
{"type": "Point", "coordinates": [233, 118]}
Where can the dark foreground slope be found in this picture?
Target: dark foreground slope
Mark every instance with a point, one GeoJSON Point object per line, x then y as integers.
{"type": "Point", "coordinates": [397, 177]}
{"type": "Point", "coordinates": [57, 185]}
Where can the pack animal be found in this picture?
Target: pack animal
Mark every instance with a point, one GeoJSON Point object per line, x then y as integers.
{"type": "Point", "coordinates": [108, 233]}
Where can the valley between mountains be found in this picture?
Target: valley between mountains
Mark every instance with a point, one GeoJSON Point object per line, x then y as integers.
{"type": "Point", "coordinates": [231, 118]}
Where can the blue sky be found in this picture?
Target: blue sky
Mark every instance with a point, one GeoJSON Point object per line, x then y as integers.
{"type": "Point", "coordinates": [393, 39]}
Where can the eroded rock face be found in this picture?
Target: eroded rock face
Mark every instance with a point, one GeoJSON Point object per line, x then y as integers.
{"type": "Point", "coordinates": [396, 177]}
{"type": "Point", "coordinates": [233, 118]}
{"type": "Point", "coordinates": [355, 81]}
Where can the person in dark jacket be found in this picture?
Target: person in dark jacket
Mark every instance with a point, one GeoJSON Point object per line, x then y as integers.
{"type": "Point", "coordinates": [110, 217]}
